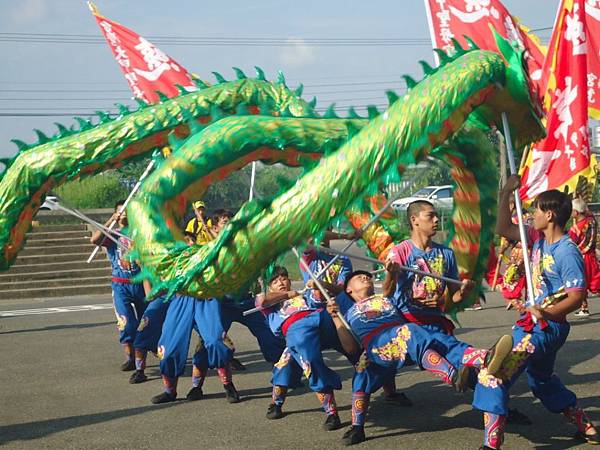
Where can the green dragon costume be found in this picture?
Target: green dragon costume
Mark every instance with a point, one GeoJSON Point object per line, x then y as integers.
{"type": "Point", "coordinates": [222, 128]}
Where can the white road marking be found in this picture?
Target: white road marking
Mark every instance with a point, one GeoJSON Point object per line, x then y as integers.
{"type": "Point", "coordinates": [59, 309]}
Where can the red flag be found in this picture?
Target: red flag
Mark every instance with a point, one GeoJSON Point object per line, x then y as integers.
{"type": "Point", "coordinates": [146, 68]}
{"type": "Point", "coordinates": [564, 155]}
{"type": "Point", "coordinates": [592, 9]}
{"type": "Point", "coordinates": [457, 18]}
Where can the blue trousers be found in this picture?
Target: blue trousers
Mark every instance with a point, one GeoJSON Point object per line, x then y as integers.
{"type": "Point", "coordinates": [389, 351]}
{"type": "Point", "coordinates": [270, 346]}
{"type": "Point", "coordinates": [151, 324]}
{"type": "Point", "coordinates": [534, 353]}
{"type": "Point", "coordinates": [184, 314]}
{"type": "Point", "coordinates": [306, 338]}
{"type": "Point", "coordinates": [129, 301]}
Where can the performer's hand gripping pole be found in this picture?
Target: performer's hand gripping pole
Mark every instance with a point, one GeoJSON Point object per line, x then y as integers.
{"type": "Point", "coordinates": [124, 205]}
{"type": "Point", "coordinates": [323, 291]}
{"type": "Point", "coordinates": [519, 207]}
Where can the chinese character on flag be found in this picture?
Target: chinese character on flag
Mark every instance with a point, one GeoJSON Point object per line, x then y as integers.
{"type": "Point", "coordinates": [558, 161]}
{"type": "Point", "coordinates": [146, 68]}
{"type": "Point", "coordinates": [592, 17]}
{"type": "Point", "coordinates": [472, 18]}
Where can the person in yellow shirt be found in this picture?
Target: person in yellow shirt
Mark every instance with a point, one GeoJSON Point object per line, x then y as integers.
{"type": "Point", "coordinates": [199, 226]}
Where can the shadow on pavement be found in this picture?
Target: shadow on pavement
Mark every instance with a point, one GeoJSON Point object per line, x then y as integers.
{"type": "Point", "coordinates": [75, 326]}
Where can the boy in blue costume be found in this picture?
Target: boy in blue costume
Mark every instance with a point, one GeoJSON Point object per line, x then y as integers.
{"type": "Point", "coordinates": [128, 296]}
{"type": "Point", "coordinates": [308, 329]}
{"type": "Point", "coordinates": [559, 289]}
{"type": "Point", "coordinates": [389, 341]}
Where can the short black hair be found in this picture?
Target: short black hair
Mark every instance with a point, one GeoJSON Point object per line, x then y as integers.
{"type": "Point", "coordinates": [189, 234]}
{"type": "Point", "coordinates": [278, 271]}
{"type": "Point", "coordinates": [414, 208]}
{"type": "Point", "coordinates": [221, 213]}
{"type": "Point", "coordinates": [119, 203]}
{"type": "Point", "coordinates": [353, 274]}
{"type": "Point", "coordinates": [558, 203]}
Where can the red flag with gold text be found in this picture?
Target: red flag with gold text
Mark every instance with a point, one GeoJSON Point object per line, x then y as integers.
{"type": "Point", "coordinates": [146, 68]}
{"type": "Point", "coordinates": [558, 161]}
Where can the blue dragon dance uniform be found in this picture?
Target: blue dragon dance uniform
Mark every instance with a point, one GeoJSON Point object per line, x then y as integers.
{"type": "Point", "coordinates": [186, 313]}
{"type": "Point", "coordinates": [388, 340]}
{"type": "Point", "coordinates": [128, 297]}
{"type": "Point", "coordinates": [150, 327]}
{"type": "Point", "coordinates": [308, 329]}
{"type": "Point", "coordinates": [439, 260]}
{"type": "Point", "coordinates": [557, 270]}
{"type": "Point", "coordinates": [232, 308]}
{"type": "Point", "coordinates": [335, 275]}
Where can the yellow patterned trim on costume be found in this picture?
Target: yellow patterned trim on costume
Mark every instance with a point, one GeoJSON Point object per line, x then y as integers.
{"type": "Point", "coordinates": [396, 349]}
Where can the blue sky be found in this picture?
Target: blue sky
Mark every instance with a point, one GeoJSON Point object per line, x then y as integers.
{"type": "Point", "coordinates": [59, 78]}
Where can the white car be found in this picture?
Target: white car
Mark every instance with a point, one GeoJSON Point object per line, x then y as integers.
{"type": "Point", "coordinates": [440, 196]}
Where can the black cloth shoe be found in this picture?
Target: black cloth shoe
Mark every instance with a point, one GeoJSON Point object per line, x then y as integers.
{"type": "Point", "coordinates": [461, 378]}
{"type": "Point", "coordinates": [164, 398]}
{"type": "Point", "coordinates": [138, 377]}
{"type": "Point", "coordinates": [274, 412]}
{"type": "Point", "coordinates": [592, 439]}
{"type": "Point", "coordinates": [516, 417]}
{"type": "Point", "coordinates": [231, 394]}
{"type": "Point", "coordinates": [496, 355]}
{"type": "Point", "coordinates": [236, 365]}
{"type": "Point", "coordinates": [194, 394]}
{"type": "Point", "coordinates": [398, 399]}
{"type": "Point", "coordinates": [355, 435]}
{"type": "Point", "coordinates": [332, 422]}
{"type": "Point", "coordinates": [128, 365]}
{"type": "Point", "coordinates": [485, 447]}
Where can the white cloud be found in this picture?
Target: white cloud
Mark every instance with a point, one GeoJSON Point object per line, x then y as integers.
{"type": "Point", "coordinates": [29, 11]}
{"type": "Point", "coordinates": [297, 54]}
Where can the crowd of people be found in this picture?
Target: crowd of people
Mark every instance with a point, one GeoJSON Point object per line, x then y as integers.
{"type": "Point", "coordinates": [378, 334]}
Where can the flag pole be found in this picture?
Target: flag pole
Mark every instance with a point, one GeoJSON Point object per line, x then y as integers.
{"type": "Point", "coordinates": [252, 180]}
{"type": "Point", "coordinates": [519, 208]}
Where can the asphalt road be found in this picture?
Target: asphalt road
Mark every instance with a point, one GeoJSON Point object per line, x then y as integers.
{"type": "Point", "coordinates": [60, 387]}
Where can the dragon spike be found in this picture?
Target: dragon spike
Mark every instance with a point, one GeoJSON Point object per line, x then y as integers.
{"type": "Point", "coordinates": [83, 124]}
{"type": "Point", "coordinates": [313, 102]}
{"type": "Point", "coordinates": [286, 112]}
{"type": "Point", "coordinates": [22, 146]}
{"type": "Point", "coordinates": [181, 89]}
{"type": "Point", "coordinates": [42, 138]}
{"type": "Point", "coordinates": [216, 113]}
{"type": "Point", "coordinates": [123, 110]}
{"type": "Point", "coordinates": [260, 74]}
{"type": "Point", "coordinates": [426, 67]}
{"type": "Point", "coordinates": [330, 113]}
{"type": "Point", "coordinates": [352, 129]}
{"type": "Point", "coordinates": [200, 84]}
{"type": "Point", "coordinates": [392, 97]}
{"type": "Point", "coordinates": [162, 96]}
{"type": "Point", "coordinates": [372, 111]}
{"type": "Point", "coordinates": [410, 81]}
{"type": "Point", "coordinates": [239, 73]}
{"type": "Point", "coordinates": [352, 114]}
{"type": "Point", "coordinates": [298, 91]}
{"type": "Point", "coordinates": [472, 45]}
{"type": "Point", "coordinates": [62, 130]}
{"type": "Point", "coordinates": [219, 78]}
{"type": "Point", "coordinates": [142, 104]}
{"type": "Point", "coordinates": [104, 117]}
{"type": "Point", "coordinates": [280, 78]}
{"type": "Point", "coordinates": [191, 121]}
{"type": "Point", "coordinates": [442, 55]}
{"type": "Point", "coordinates": [459, 49]}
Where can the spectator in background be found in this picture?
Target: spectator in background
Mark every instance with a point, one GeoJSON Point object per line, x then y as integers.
{"type": "Point", "coordinates": [583, 234]}
{"type": "Point", "coordinates": [199, 226]}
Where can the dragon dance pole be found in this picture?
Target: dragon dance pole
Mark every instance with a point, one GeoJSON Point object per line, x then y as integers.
{"type": "Point", "coordinates": [124, 205]}
{"type": "Point", "coordinates": [361, 230]}
{"type": "Point", "coordinates": [407, 269]}
{"type": "Point", "coordinates": [323, 291]}
{"type": "Point", "coordinates": [252, 180]}
{"type": "Point", "coordinates": [519, 207]}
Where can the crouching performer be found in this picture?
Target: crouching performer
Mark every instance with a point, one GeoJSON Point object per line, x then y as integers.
{"type": "Point", "coordinates": [390, 341]}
